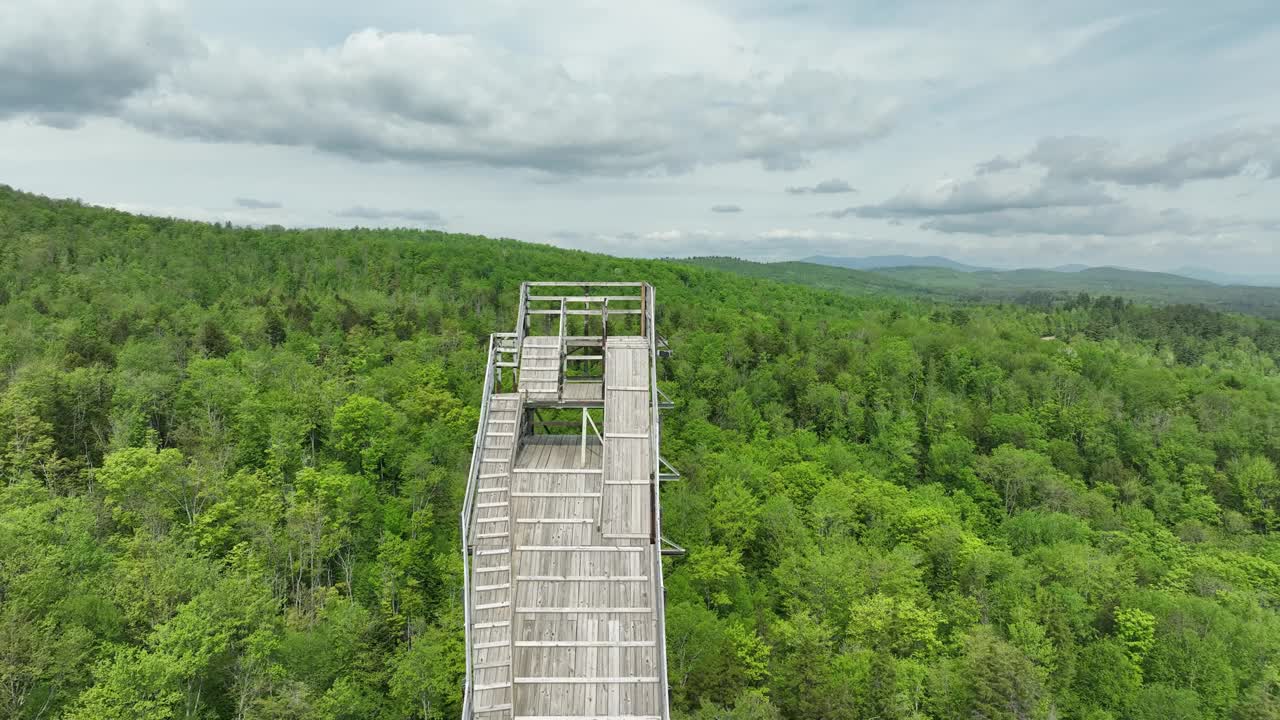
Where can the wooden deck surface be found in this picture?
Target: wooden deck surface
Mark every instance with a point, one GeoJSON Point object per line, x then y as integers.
{"type": "Point", "coordinates": [576, 580]}
{"type": "Point", "coordinates": [564, 596]}
{"type": "Point", "coordinates": [627, 447]}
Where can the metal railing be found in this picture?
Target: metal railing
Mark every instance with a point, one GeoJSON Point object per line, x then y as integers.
{"type": "Point", "coordinates": [468, 504]}
{"type": "Point", "coordinates": [656, 484]}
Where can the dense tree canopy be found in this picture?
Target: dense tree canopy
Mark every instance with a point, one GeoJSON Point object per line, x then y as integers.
{"type": "Point", "coordinates": [233, 459]}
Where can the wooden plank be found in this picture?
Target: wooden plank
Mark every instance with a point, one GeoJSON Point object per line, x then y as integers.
{"type": "Point", "coordinates": [579, 680]}
{"type": "Point", "coordinates": [586, 643]}
{"type": "Point", "coordinates": [585, 610]}
{"type": "Point", "coordinates": [587, 717]}
{"type": "Point", "coordinates": [582, 578]}
{"type": "Point", "coordinates": [580, 548]}
{"type": "Point", "coordinates": [554, 494]}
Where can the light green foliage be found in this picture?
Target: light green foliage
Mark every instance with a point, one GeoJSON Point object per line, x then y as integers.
{"type": "Point", "coordinates": [146, 488]}
{"type": "Point", "coordinates": [734, 514]}
{"type": "Point", "coordinates": [1021, 476]}
{"type": "Point", "coordinates": [1137, 630]}
{"type": "Point", "coordinates": [231, 463]}
{"type": "Point", "coordinates": [895, 624]}
{"type": "Point", "coordinates": [364, 430]}
{"type": "Point", "coordinates": [1258, 484]}
{"type": "Point", "coordinates": [714, 570]}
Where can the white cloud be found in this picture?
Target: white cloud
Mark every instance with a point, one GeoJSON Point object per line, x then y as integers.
{"type": "Point", "coordinates": [521, 118]}
{"type": "Point", "coordinates": [420, 97]}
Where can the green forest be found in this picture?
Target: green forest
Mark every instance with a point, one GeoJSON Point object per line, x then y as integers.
{"type": "Point", "coordinates": [232, 462]}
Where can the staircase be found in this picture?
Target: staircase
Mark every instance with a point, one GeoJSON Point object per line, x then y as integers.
{"type": "Point", "coordinates": [540, 367]}
{"type": "Point", "coordinates": [491, 562]}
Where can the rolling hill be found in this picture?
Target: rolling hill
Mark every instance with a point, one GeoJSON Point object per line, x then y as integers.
{"type": "Point", "coordinates": [1037, 286]}
{"type": "Point", "coordinates": [877, 262]}
{"type": "Point", "coordinates": [1136, 285]}
{"type": "Point", "coordinates": [823, 277]}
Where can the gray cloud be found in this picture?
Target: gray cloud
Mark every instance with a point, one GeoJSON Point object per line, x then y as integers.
{"type": "Point", "coordinates": [980, 196]}
{"type": "Point", "coordinates": [256, 204]}
{"type": "Point", "coordinates": [832, 186]}
{"type": "Point", "coordinates": [726, 209]}
{"type": "Point", "coordinates": [997, 164]}
{"type": "Point", "coordinates": [1109, 220]}
{"type": "Point", "coordinates": [425, 98]}
{"type": "Point", "coordinates": [64, 60]}
{"type": "Point", "coordinates": [1222, 155]}
{"type": "Point", "coordinates": [1051, 206]}
{"type": "Point", "coordinates": [362, 212]}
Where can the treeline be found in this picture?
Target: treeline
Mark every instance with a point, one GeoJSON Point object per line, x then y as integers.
{"type": "Point", "coordinates": [233, 460]}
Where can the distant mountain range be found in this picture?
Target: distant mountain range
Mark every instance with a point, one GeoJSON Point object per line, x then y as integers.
{"type": "Point", "coordinates": [946, 281]}
{"type": "Point", "coordinates": [885, 262]}
{"type": "Point", "coordinates": [1222, 278]}
{"type": "Point", "coordinates": [877, 262]}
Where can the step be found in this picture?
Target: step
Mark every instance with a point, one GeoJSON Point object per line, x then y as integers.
{"type": "Point", "coordinates": [582, 578]}
{"type": "Point", "coordinates": [580, 548]}
{"type": "Point", "coordinates": [583, 680]}
{"type": "Point", "coordinates": [587, 610]}
{"type": "Point", "coordinates": [492, 686]}
{"type": "Point", "coordinates": [585, 643]}
{"type": "Point", "coordinates": [586, 717]}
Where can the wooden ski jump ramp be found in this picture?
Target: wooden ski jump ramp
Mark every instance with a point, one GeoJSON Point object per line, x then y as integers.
{"type": "Point", "coordinates": [562, 542]}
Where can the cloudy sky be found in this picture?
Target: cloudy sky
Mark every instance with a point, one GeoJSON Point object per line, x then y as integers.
{"type": "Point", "coordinates": [1144, 133]}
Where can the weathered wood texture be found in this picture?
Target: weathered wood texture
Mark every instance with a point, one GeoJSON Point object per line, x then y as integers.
{"type": "Point", "coordinates": [627, 446]}
{"type": "Point", "coordinates": [491, 564]}
{"type": "Point", "coordinates": [583, 606]}
{"type": "Point", "coordinates": [540, 368]}
{"type": "Point", "coordinates": [565, 587]}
